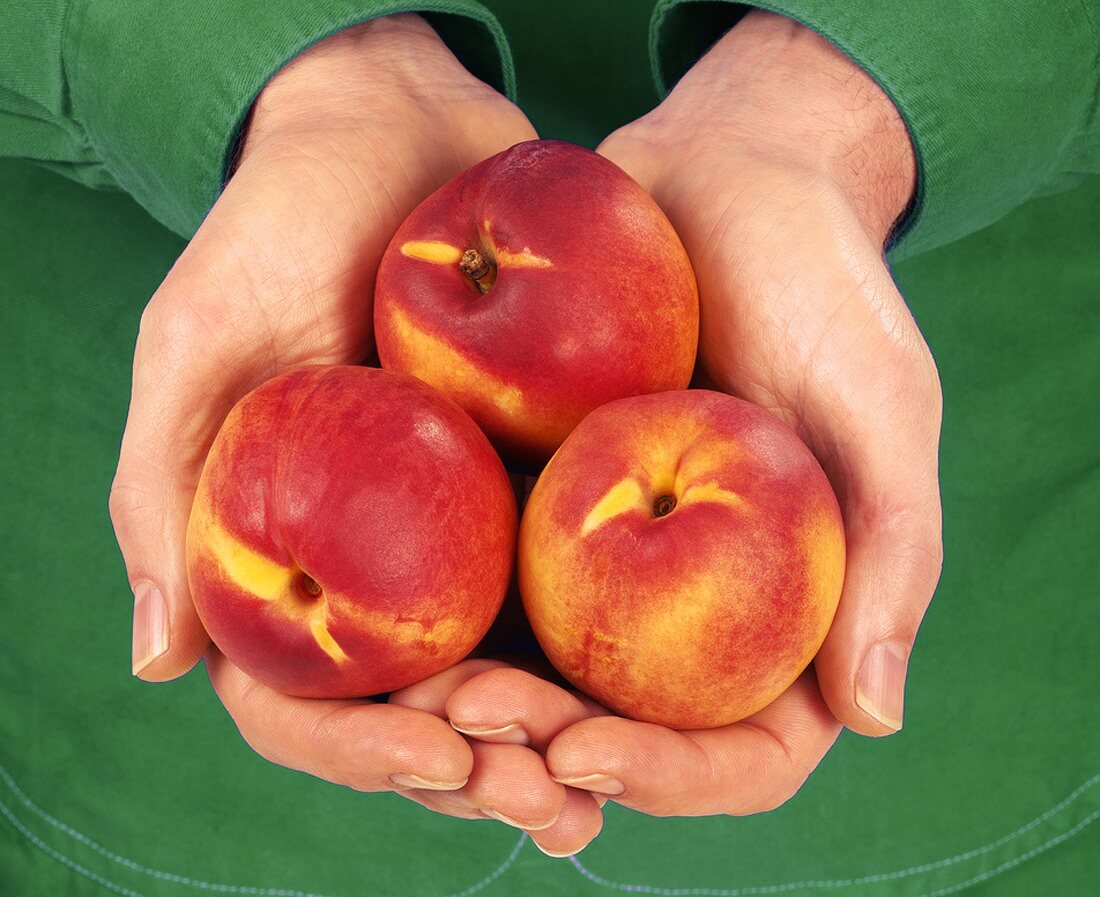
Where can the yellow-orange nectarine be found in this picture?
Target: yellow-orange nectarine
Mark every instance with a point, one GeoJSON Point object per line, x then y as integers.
{"type": "Point", "coordinates": [681, 558]}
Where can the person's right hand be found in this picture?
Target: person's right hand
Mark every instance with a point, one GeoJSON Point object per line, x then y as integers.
{"type": "Point", "coordinates": [343, 143]}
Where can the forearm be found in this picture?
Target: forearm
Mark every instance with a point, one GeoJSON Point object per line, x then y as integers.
{"type": "Point", "coordinates": [151, 98]}
{"type": "Point", "coordinates": [788, 93]}
{"type": "Point", "coordinates": [1000, 106]}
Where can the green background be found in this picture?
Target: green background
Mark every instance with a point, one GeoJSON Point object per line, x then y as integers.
{"type": "Point", "coordinates": [108, 784]}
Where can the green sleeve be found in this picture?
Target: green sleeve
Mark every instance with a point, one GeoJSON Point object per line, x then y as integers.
{"type": "Point", "coordinates": [1000, 96]}
{"type": "Point", "coordinates": [150, 97]}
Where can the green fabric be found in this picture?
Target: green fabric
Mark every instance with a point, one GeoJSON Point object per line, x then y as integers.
{"type": "Point", "coordinates": [109, 785]}
{"type": "Point", "coordinates": [150, 97]}
{"type": "Point", "coordinates": [1001, 97]}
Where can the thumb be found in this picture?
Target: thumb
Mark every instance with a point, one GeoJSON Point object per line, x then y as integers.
{"type": "Point", "coordinates": [171, 422]}
{"type": "Point", "coordinates": [892, 572]}
{"type": "Point", "coordinates": [890, 496]}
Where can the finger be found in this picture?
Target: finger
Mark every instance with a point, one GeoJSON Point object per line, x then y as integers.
{"type": "Point", "coordinates": [444, 803]}
{"type": "Point", "coordinates": [577, 825]}
{"type": "Point", "coordinates": [431, 694]}
{"type": "Point", "coordinates": [365, 746]}
{"type": "Point", "coordinates": [507, 705]}
{"type": "Point", "coordinates": [509, 783]}
{"type": "Point", "coordinates": [749, 767]}
{"type": "Point", "coordinates": [171, 422]}
{"type": "Point", "coordinates": [894, 560]}
{"type": "Point", "coordinates": [881, 453]}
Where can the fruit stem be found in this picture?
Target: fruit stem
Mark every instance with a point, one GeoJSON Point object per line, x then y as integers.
{"type": "Point", "coordinates": [479, 269]}
{"type": "Point", "coordinates": [664, 505]}
{"type": "Point", "coordinates": [310, 585]}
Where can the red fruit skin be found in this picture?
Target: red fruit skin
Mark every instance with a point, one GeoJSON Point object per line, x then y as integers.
{"type": "Point", "coordinates": [702, 616]}
{"type": "Point", "coordinates": [594, 297]}
{"type": "Point", "coordinates": [383, 492]}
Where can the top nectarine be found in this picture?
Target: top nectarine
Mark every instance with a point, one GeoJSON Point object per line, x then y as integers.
{"type": "Point", "coordinates": [535, 287]}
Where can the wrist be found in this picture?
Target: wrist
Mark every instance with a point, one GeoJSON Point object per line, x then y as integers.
{"type": "Point", "coordinates": [354, 73]}
{"type": "Point", "coordinates": [782, 92]}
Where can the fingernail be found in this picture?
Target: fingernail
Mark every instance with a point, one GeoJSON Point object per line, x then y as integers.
{"type": "Point", "coordinates": [597, 782]}
{"type": "Point", "coordinates": [515, 823]}
{"type": "Point", "coordinates": [407, 780]}
{"type": "Point", "coordinates": [550, 853]}
{"type": "Point", "coordinates": [512, 734]}
{"type": "Point", "coordinates": [150, 625]}
{"type": "Point", "coordinates": [880, 685]}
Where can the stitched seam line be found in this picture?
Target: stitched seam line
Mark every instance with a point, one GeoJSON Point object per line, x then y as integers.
{"type": "Point", "coordinates": [580, 868]}
{"type": "Point", "coordinates": [770, 889]}
{"type": "Point", "coordinates": [877, 877]}
{"type": "Point", "coordinates": [183, 880]}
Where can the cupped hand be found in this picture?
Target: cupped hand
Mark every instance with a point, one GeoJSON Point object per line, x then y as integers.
{"type": "Point", "coordinates": [510, 781]}
{"type": "Point", "coordinates": [342, 144]}
{"type": "Point", "coordinates": [783, 167]}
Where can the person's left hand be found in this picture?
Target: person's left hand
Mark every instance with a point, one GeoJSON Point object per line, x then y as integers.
{"type": "Point", "coordinates": [783, 167]}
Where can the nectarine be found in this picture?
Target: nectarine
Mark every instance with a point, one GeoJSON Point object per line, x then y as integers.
{"type": "Point", "coordinates": [681, 558]}
{"type": "Point", "coordinates": [353, 532]}
{"type": "Point", "coordinates": [535, 287]}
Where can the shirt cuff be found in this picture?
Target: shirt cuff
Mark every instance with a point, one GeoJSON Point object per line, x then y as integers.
{"type": "Point", "coordinates": [162, 90]}
{"type": "Point", "coordinates": [996, 102]}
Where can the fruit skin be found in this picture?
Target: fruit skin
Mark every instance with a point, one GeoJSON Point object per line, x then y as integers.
{"type": "Point", "coordinates": [701, 617]}
{"type": "Point", "coordinates": [594, 298]}
{"type": "Point", "coordinates": [381, 490]}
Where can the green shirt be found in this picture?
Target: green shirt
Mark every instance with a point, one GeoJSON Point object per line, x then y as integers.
{"type": "Point", "coordinates": [108, 785]}
{"type": "Point", "coordinates": [1000, 98]}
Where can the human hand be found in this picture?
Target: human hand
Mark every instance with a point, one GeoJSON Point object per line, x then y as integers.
{"type": "Point", "coordinates": [343, 143]}
{"type": "Point", "coordinates": [510, 781]}
{"type": "Point", "coordinates": [783, 168]}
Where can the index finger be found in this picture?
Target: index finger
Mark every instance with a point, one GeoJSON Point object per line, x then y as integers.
{"type": "Point", "coordinates": [365, 746]}
{"type": "Point", "coordinates": [507, 704]}
{"type": "Point", "coordinates": [748, 767]}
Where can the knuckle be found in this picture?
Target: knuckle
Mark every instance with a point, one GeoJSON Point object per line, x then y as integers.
{"type": "Point", "coordinates": [911, 525]}
{"type": "Point", "coordinates": [124, 498]}
{"type": "Point", "coordinates": [576, 748]}
{"type": "Point", "coordinates": [254, 729]}
{"type": "Point", "coordinates": [518, 686]}
{"type": "Point", "coordinates": [255, 712]}
{"type": "Point", "coordinates": [774, 769]}
{"type": "Point", "coordinates": [918, 558]}
{"type": "Point", "coordinates": [342, 754]}
{"type": "Point", "coordinates": [910, 557]}
{"type": "Point", "coordinates": [176, 329]}
{"type": "Point", "coordinates": [326, 730]}
{"type": "Point", "coordinates": [139, 490]}
{"type": "Point", "coordinates": [187, 336]}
